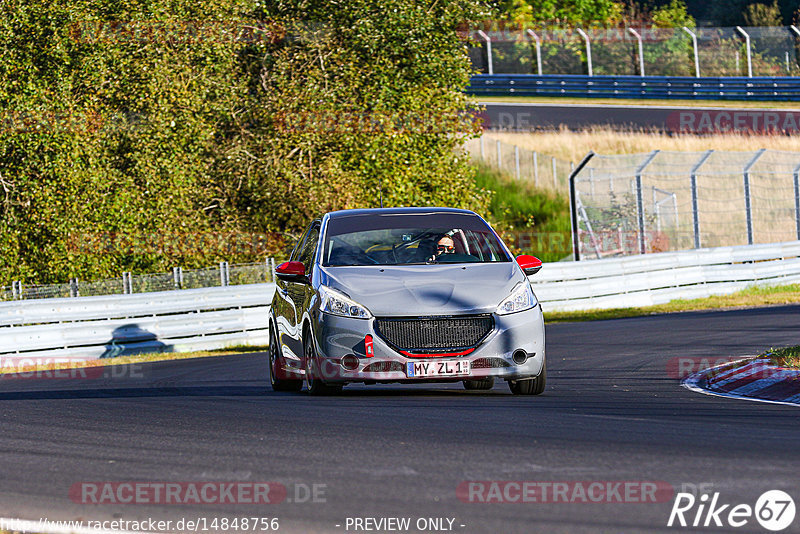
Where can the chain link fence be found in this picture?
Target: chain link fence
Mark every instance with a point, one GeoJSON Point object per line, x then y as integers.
{"type": "Point", "coordinates": [669, 201]}
{"type": "Point", "coordinates": [738, 51]}
{"type": "Point", "coordinates": [543, 170]}
{"type": "Point", "coordinates": [222, 275]}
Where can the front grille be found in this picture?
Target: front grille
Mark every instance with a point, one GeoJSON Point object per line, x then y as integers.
{"type": "Point", "coordinates": [434, 334]}
{"type": "Point", "coordinates": [489, 363]}
{"type": "Point", "coordinates": [384, 367]}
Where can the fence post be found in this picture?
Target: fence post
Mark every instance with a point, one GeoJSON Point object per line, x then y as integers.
{"type": "Point", "coordinates": [177, 277]}
{"type": "Point", "coordinates": [535, 169]}
{"type": "Point", "coordinates": [499, 156]}
{"type": "Point", "coordinates": [796, 176]}
{"type": "Point", "coordinates": [538, 51]}
{"type": "Point", "coordinates": [516, 160]}
{"type": "Point", "coordinates": [588, 49]}
{"type": "Point", "coordinates": [747, 203]}
{"type": "Point", "coordinates": [695, 211]}
{"type": "Point", "coordinates": [483, 155]}
{"type": "Point", "coordinates": [73, 288]}
{"type": "Point", "coordinates": [694, 47]}
{"type": "Point", "coordinates": [555, 179]}
{"type": "Point", "coordinates": [272, 265]}
{"type": "Point", "coordinates": [747, 45]}
{"type": "Point", "coordinates": [640, 200]}
{"type": "Point", "coordinates": [573, 207]}
{"type": "Point", "coordinates": [127, 286]}
{"type": "Point", "coordinates": [488, 50]}
{"type": "Point", "coordinates": [224, 278]}
{"type": "Point", "coordinates": [641, 50]}
{"type": "Point", "coordinates": [16, 290]}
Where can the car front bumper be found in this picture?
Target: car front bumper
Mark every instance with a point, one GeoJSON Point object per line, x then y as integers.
{"type": "Point", "coordinates": [337, 337]}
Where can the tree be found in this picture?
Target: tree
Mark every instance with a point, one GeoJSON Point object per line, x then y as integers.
{"type": "Point", "coordinates": [142, 134]}
{"type": "Point", "coordinates": [763, 15]}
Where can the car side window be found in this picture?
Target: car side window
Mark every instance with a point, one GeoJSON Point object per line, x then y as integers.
{"type": "Point", "coordinates": [309, 247]}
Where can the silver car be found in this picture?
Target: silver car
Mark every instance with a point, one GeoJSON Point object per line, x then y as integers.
{"type": "Point", "coordinates": [410, 295]}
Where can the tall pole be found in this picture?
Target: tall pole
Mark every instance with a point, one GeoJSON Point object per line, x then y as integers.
{"type": "Point", "coordinates": [640, 199]}
{"type": "Point", "coordinates": [696, 56]}
{"type": "Point", "coordinates": [641, 50]}
{"type": "Point", "coordinates": [573, 207]}
{"type": "Point", "coordinates": [588, 49]}
{"type": "Point", "coordinates": [747, 45]}
{"type": "Point", "coordinates": [695, 210]}
{"type": "Point", "coordinates": [538, 51]}
{"type": "Point", "coordinates": [748, 205]}
{"type": "Point", "coordinates": [488, 50]}
{"type": "Point", "coordinates": [796, 177]}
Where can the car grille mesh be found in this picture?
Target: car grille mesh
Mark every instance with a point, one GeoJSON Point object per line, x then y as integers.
{"type": "Point", "coordinates": [489, 363]}
{"type": "Point", "coordinates": [435, 333]}
{"type": "Point", "coordinates": [384, 367]}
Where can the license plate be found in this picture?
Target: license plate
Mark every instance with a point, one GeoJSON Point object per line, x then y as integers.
{"type": "Point", "coordinates": [437, 368]}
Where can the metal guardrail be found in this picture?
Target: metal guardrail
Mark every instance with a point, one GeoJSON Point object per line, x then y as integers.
{"type": "Point", "coordinates": [658, 278]}
{"type": "Point", "coordinates": [108, 326]}
{"type": "Point", "coordinates": [224, 274]}
{"type": "Point", "coordinates": [209, 318]}
{"type": "Point", "coordinates": [661, 87]}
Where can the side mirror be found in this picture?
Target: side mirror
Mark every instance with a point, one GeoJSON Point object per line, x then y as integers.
{"type": "Point", "coordinates": [530, 264]}
{"type": "Point", "coordinates": [291, 270]}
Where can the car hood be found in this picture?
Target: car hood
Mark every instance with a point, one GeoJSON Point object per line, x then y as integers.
{"type": "Point", "coordinates": [402, 290]}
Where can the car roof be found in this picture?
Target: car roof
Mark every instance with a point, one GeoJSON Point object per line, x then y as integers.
{"type": "Point", "coordinates": [396, 211]}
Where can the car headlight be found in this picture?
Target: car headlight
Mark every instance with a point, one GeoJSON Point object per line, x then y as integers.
{"type": "Point", "coordinates": [521, 299]}
{"type": "Point", "coordinates": [333, 302]}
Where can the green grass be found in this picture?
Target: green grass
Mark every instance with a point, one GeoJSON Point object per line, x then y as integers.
{"type": "Point", "coordinates": [750, 297]}
{"type": "Point", "coordinates": [784, 356]}
{"type": "Point", "coordinates": [640, 102]}
{"type": "Point", "coordinates": [541, 215]}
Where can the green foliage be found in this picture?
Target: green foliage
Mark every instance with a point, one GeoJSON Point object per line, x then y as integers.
{"type": "Point", "coordinates": [563, 12]}
{"type": "Point", "coordinates": [673, 15]}
{"type": "Point", "coordinates": [735, 12]}
{"type": "Point", "coordinates": [530, 220]}
{"type": "Point", "coordinates": [763, 15]}
{"type": "Point", "coordinates": [132, 130]}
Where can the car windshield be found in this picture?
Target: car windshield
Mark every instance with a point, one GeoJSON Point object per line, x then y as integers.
{"type": "Point", "coordinates": [406, 239]}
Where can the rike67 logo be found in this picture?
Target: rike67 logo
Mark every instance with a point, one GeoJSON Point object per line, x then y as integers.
{"type": "Point", "coordinates": [774, 510]}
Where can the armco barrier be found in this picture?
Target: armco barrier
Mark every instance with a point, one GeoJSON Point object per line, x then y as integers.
{"type": "Point", "coordinates": [658, 278]}
{"type": "Point", "coordinates": [662, 87]}
{"type": "Point", "coordinates": [197, 319]}
{"type": "Point", "coordinates": [114, 325]}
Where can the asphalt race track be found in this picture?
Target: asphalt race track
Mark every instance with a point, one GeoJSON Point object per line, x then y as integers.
{"type": "Point", "coordinates": [525, 117]}
{"type": "Point", "coordinates": [611, 412]}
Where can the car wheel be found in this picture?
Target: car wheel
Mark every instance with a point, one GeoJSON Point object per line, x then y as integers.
{"type": "Point", "coordinates": [279, 384]}
{"type": "Point", "coordinates": [314, 383]}
{"type": "Point", "coordinates": [483, 383]}
{"type": "Point", "coordinates": [529, 386]}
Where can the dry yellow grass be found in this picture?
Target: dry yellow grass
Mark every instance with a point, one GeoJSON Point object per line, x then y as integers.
{"type": "Point", "coordinates": [573, 146]}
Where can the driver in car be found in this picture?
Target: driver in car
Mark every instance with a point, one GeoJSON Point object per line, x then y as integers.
{"type": "Point", "coordinates": [445, 245]}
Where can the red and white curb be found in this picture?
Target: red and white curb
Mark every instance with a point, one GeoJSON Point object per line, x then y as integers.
{"type": "Point", "coordinates": [750, 379]}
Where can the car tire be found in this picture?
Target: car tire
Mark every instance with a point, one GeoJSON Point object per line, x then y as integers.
{"type": "Point", "coordinates": [483, 383]}
{"type": "Point", "coordinates": [529, 386]}
{"type": "Point", "coordinates": [314, 384]}
{"type": "Point", "coordinates": [279, 384]}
